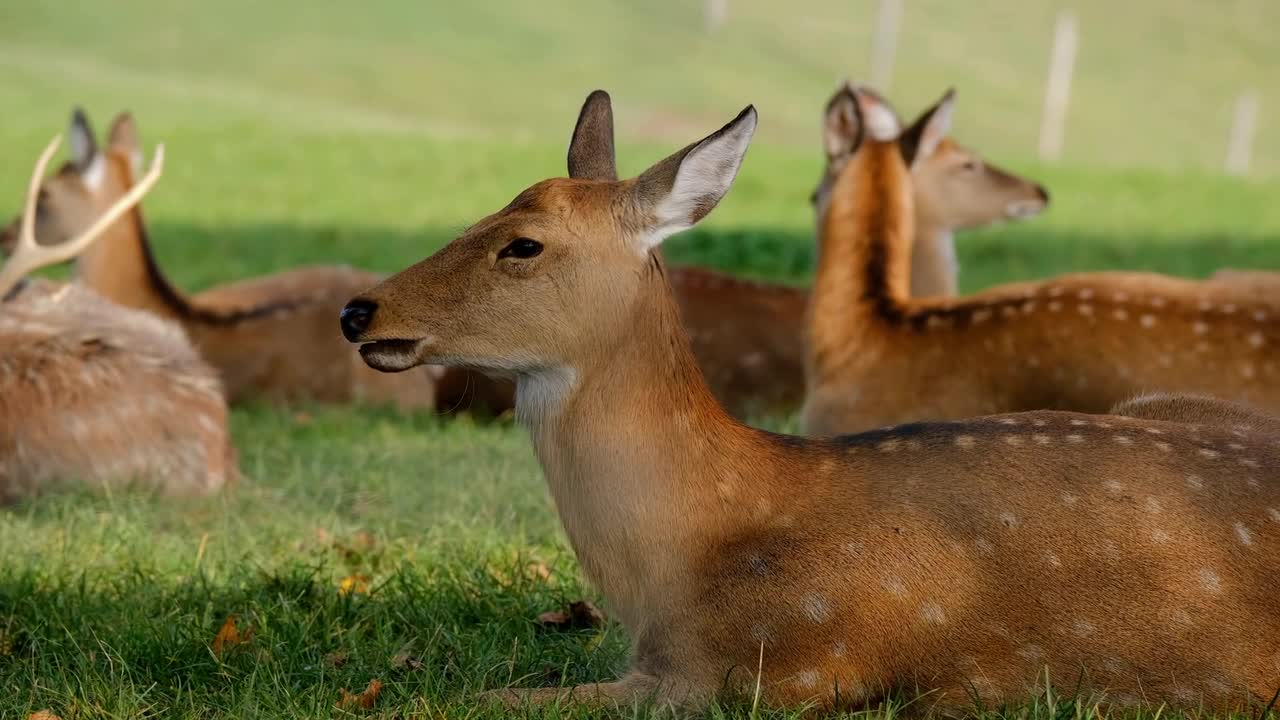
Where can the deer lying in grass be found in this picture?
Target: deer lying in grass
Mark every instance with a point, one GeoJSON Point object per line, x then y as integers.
{"type": "Point", "coordinates": [961, 559]}
{"type": "Point", "coordinates": [1076, 342]}
{"type": "Point", "coordinates": [93, 392]}
{"type": "Point", "coordinates": [747, 334]}
{"type": "Point", "coordinates": [270, 337]}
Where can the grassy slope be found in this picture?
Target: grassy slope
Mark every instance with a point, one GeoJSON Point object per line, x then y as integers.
{"type": "Point", "coordinates": [369, 137]}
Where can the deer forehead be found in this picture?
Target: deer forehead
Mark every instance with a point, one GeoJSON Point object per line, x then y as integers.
{"type": "Point", "coordinates": [578, 208]}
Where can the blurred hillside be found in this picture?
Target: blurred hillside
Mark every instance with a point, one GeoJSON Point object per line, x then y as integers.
{"type": "Point", "coordinates": [1153, 88]}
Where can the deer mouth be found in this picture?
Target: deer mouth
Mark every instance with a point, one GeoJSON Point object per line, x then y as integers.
{"type": "Point", "coordinates": [395, 355]}
{"type": "Point", "coordinates": [1023, 210]}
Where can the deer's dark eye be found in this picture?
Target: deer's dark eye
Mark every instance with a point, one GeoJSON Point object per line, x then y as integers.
{"type": "Point", "coordinates": [521, 249]}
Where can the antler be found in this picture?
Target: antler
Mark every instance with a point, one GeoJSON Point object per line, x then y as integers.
{"type": "Point", "coordinates": [27, 256]}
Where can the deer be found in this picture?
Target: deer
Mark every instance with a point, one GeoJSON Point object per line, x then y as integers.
{"type": "Point", "coordinates": [746, 333]}
{"type": "Point", "coordinates": [1081, 342]}
{"type": "Point", "coordinates": [96, 393]}
{"type": "Point", "coordinates": [974, 558]}
{"type": "Point", "coordinates": [271, 338]}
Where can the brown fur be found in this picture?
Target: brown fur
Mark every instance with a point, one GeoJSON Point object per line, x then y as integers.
{"type": "Point", "coordinates": [271, 338]}
{"type": "Point", "coordinates": [1077, 342]}
{"type": "Point", "coordinates": [92, 392]}
{"type": "Point", "coordinates": [960, 559]}
{"type": "Point", "coordinates": [1200, 410]}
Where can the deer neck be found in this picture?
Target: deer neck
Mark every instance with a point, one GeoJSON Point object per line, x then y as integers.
{"type": "Point", "coordinates": [934, 267]}
{"type": "Point", "coordinates": [119, 264]}
{"type": "Point", "coordinates": [631, 442]}
{"type": "Point", "coordinates": [864, 264]}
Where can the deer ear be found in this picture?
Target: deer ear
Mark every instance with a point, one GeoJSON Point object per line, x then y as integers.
{"type": "Point", "coordinates": [879, 116]}
{"type": "Point", "coordinates": [842, 123]}
{"type": "Point", "coordinates": [682, 189]}
{"type": "Point", "coordinates": [591, 155]}
{"type": "Point", "coordinates": [123, 137]}
{"type": "Point", "coordinates": [921, 140]}
{"type": "Point", "coordinates": [84, 146]}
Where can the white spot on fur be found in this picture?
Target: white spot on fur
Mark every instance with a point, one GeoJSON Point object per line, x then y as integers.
{"type": "Point", "coordinates": [895, 586]}
{"type": "Point", "coordinates": [1256, 339]}
{"type": "Point", "coordinates": [1042, 439]}
{"type": "Point", "coordinates": [1159, 536]}
{"type": "Point", "coordinates": [1086, 310]}
{"type": "Point", "coordinates": [1260, 316]}
{"type": "Point", "coordinates": [1053, 560]}
{"type": "Point", "coordinates": [839, 649]}
{"type": "Point", "coordinates": [807, 679]}
{"type": "Point", "coordinates": [1114, 486]}
{"type": "Point", "coordinates": [1163, 446]}
{"type": "Point", "coordinates": [1123, 440]}
{"type": "Point", "coordinates": [1153, 505]}
{"type": "Point", "coordinates": [1008, 421]}
{"type": "Point", "coordinates": [1055, 291]}
{"type": "Point", "coordinates": [1200, 327]}
{"type": "Point", "coordinates": [1210, 580]}
{"type": "Point", "coordinates": [1055, 306]}
{"type": "Point", "coordinates": [1082, 627]}
{"type": "Point", "coordinates": [1209, 453]}
{"type": "Point", "coordinates": [1069, 500]}
{"type": "Point", "coordinates": [1120, 314]}
{"type": "Point", "coordinates": [1075, 439]}
{"type": "Point", "coordinates": [890, 445]}
{"type": "Point", "coordinates": [1148, 321]}
{"type": "Point", "coordinates": [816, 608]}
{"type": "Point", "coordinates": [1275, 515]}
{"type": "Point", "coordinates": [980, 315]}
{"type": "Point", "coordinates": [984, 546]}
{"type": "Point", "coordinates": [965, 441]}
{"type": "Point", "coordinates": [1243, 534]}
{"type": "Point", "coordinates": [1195, 482]}
{"type": "Point", "coordinates": [1228, 308]}
{"type": "Point", "coordinates": [1015, 440]}
{"type": "Point", "coordinates": [933, 614]}
{"type": "Point", "coordinates": [1085, 293]}
{"type": "Point", "coordinates": [1079, 423]}
{"type": "Point", "coordinates": [1248, 371]}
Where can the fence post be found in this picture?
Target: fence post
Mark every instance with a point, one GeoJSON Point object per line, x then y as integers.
{"type": "Point", "coordinates": [1243, 125]}
{"type": "Point", "coordinates": [716, 11]}
{"type": "Point", "coordinates": [884, 44]}
{"type": "Point", "coordinates": [1057, 92]}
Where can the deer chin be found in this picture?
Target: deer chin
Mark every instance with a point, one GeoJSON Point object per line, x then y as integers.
{"type": "Point", "coordinates": [396, 355]}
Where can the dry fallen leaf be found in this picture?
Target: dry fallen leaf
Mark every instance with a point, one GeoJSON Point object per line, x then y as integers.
{"type": "Point", "coordinates": [230, 637]}
{"type": "Point", "coordinates": [580, 614]}
{"type": "Point", "coordinates": [349, 701]}
{"type": "Point", "coordinates": [43, 715]}
{"type": "Point", "coordinates": [357, 583]}
{"type": "Point", "coordinates": [337, 658]}
{"type": "Point", "coordinates": [302, 418]}
{"type": "Point", "coordinates": [403, 660]}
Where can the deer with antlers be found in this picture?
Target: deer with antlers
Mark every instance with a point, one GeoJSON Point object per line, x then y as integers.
{"type": "Point", "coordinates": [747, 334]}
{"type": "Point", "coordinates": [93, 392]}
{"type": "Point", "coordinates": [270, 337]}
{"type": "Point", "coordinates": [833, 571]}
{"type": "Point", "coordinates": [877, 356]}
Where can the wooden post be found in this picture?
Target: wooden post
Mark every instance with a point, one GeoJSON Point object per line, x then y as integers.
{"type": "Point", "coordinates": [1243, 125]}
{"type": "Point", "coordinates": [1057, 92]}
{"type": "Point", "coordinates": [716, 11]}
{"type": "Point", "coordinates": [884, 44]}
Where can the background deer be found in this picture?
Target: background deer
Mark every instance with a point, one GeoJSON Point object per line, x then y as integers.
{"type": "Point", "coordinates": [746, 334]}
{"type": "Point", "coordinates": [93, 392]}
{"type": "Point", "coordinates": [833, 571]}
{"type": "Point", "coordinates": [270, 337]}
{"type": "Point", "coordinates": [1080, 342]}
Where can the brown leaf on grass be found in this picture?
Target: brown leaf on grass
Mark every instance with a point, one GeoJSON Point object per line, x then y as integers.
{"type": "Point", "coordinates": [302, 418]}
{"type": "Point", "coordinates": [348, 700]}
{"type": "Point", "coordinates": [336, 659]}
{"type": "Point", "coordinates": [404, 661]}
{"type": "Point", "coordinates": [358, 584]}
{"type": "Point", "coordinates": [230, 637]}
{"type": "Point", "coordinates": [539, 570]}
{"type": "Point", "coordinates": [580, 614]}
{"type": "Point", "coordinates": [43, 715]}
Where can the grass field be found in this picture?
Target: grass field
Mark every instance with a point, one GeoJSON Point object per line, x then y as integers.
{"type": "Point", "coordinates": [326, 134]}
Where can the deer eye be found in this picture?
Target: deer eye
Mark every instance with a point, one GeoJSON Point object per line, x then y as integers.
{"type": "Point", "coordinates": [521, 249]}
{"type": "Point", "coordinates": [970, 165]}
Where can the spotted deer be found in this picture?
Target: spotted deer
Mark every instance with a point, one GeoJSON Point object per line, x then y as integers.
{"type": "Point", "coordinates": [270, 337]}
{"type": "Point", "coordinates": [91, 392]}
{"type": "Point", "coordinates": [1083, 342]}
{"type": "Point", "coordinates": [965, 559]}
{"type": "Point", "coordinates": [746, 334]}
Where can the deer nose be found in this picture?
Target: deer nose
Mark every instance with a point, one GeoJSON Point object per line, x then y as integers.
{"type": "Point", "coordinates": [356, 317]}
{"type": "Point", "coordinates": [1044, 194]}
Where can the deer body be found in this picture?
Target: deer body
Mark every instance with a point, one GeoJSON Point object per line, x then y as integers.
{"type": "Point", "coordinates": [95, 393]}
{"type": "Point", "coordinates": [834, 571]}
{"type": "Point", "coordinates": [1077, 342]}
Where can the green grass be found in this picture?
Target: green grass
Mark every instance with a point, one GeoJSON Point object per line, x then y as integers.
{"type": "Point", "coordinates": [370, 135]}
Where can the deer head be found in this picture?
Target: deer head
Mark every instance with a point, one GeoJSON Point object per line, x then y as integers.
{"type": "Point", "coordinates": [557, 277]}
{"type": "Point", "coordinates": [86, 185]}
{"type": "Point", "coordinates": [955, 187]}
{"type": "Point", "coordinates": [27, 255]}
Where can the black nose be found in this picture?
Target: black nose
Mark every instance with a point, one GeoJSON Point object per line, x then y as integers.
{"type": "Point", "coordinates": [1044, 194]}
{"type": "Point", "coordinates": [356, 317]}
